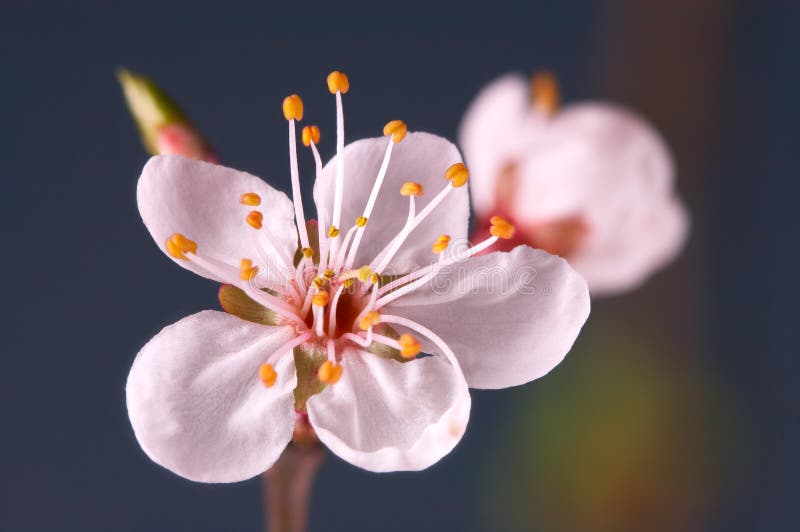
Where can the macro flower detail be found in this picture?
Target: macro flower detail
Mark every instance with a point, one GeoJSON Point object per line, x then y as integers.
{"type": "Point", "coordinates": [591, 182]}
{"type": "Point", "coordinates": [365, 327]}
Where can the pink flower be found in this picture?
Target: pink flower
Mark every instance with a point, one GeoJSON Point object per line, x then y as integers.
{"type": "Point", "coordinates": [325, 321]}
{"type": "Point", "coordinates": [591, 182]}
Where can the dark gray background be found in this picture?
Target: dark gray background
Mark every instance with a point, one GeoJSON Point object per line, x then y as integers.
{"type": "Point", "coordinates": [85, 286]}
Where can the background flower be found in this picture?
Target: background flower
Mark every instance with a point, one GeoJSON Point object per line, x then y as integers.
{"type": "Point", "coordinates": [591, 182]}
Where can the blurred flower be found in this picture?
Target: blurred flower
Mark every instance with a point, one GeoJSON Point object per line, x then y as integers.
{"type": "Point", "coordinates": [592, 182]}
{"type": "Point", "coordinates": [163, 126]}
{"type": "Point", "coordinates": [323, 328]}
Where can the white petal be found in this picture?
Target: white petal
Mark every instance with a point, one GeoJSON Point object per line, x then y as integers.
{"type": "Point", "coordinates": [197, 405]}
{"type": "Point", "coordinates": [420, 157]}
{"type": "Point", "coordinates": [385, 415]}
{"type": "Point", "coordinates": [649, 238]}
{"type": "Point", "coordinates": [611, 168]}
{"type": "Point", "coordinates": [490, 135]}
{"type": "Point", "coordinates": [509, 317]}
{"type": "Point", "coordinates": [201, 201]}
{"type": "Point", "coordinates": [592, 159]}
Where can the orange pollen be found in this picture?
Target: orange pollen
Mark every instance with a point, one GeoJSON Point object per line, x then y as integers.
{"type": "Point", "coordinates": [308, 253]}
{"type": "Point", "coordinates": [441, 243]}
{"type": "Point", "coordinates": [338, 82]}
{"type": "Point", "coordinates": [409, 346]}
{"type": "Point", "coordinates": [370, 319]}
{"type": "Point", "coordinates": [329, 372]}
{"type": "Point", "coordinates": [254, 219]}
{"type": "Point", "coordinates": [544, 91]}
{"type": "Point", "coordinates": [333, 231]}
{"type": "Point", "coordinates": [250, 198]}
{"type": "Point", "coordinates": [310, 134]}
{"type": "Point", "coordinates": [178, 244]}
{"type": "Point", "coordinates": [293, 107]}
{"type": "Point", "coordinates": [411, 189]}
{"type": "Point", "coordinates": [501, 227]}
{"type": "Point", "coordinates": [457, 174]}
{"type": "Point", "coordinates": [361, 221]}
{"type": "Point", "coordinates": [397, 129]}
{"type": "Point", "coordinates": [320, 299]}
{"type": "Point", "coordinates": [246, 270]}
{"type": "Point", "coordinates": [267, 375]}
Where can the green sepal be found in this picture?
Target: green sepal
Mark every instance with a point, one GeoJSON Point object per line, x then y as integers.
{"type": "Point", "coordinates": [235, 301]}
{"type": "Point", "coordinates": [307, 360]}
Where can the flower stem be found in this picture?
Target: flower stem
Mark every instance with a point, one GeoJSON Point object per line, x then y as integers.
{"type": "Point", "coordinates": [287, 487]}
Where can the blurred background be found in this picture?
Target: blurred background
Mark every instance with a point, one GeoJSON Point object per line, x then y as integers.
{"type": "Point", "coordinates": [676, 411]}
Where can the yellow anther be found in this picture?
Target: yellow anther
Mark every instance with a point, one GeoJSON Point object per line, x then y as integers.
{"type": "Point", "coordinates": [347, 283]}
{"type": "Point", "coordinates": [501, 227]}
{"type": "Point", "coordinates": [361, 221]}
{"type": "Point", "coordinates": [329, 372]}
{"type": "Point", "coordinates": [333, 231]}
{"type": "Point", "coordinates": [328, 274]}
{"type": "Point", "coordinates": [293, 107]}
{"type": "Point", "coordinates": [318, 282]}
{"type": "Point", "coordinates": [250, 198]}
{"type": "Point", "coordinates": [267, 375]}
{"type": "Point", "coordinates": [374, 278]}
{"type": "Point", "coordinates": [544, 92]}
{"type": "Point", "coordinates": [364, 273]}
{"type": "Point", "coordinates": [320, 299]}
{"type": "Point", "coordinates": [254, 219]}
{"type": "Point", "coordinates": [410, 188]}
{"type": "Point", "coordinates": [338, 82]}
{"type": "Point", "coordinates": [308, 253]}
{"type": "Point", "coordinates": [441, 243]}
{"type": "Point", "coordinates": [397, 129]}
{"type": "Point", "coordinates": [409, 346]}
{"type": "Point", "coordinates": [246, 270]}
{"type": "Point", "coordinates": [370, 319]}
{"type": "Point", "coordinates": [457, 174]}
{"type": "Point", "coordinates": [178, 244]}
{"type": "Point", "coordinates": [310, 134]}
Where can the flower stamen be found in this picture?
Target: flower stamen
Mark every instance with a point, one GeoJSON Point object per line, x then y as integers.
{"type": "Point", "coordinates": [410, 188]}
{"type": "Point", "coordinates": [329, 372]}
{"type": "Point", "coordinates": [409, 346]}
{"type": "Point", "coordinates": [441, 244]}
{"type": "Point", "coordinates": [250, 198]}
{"type": "Point", "coordinates": [373, 196]}
{"type": "Point", "coordinates": [293, 113]}
{"type": "Point", "coordinates": [246, 270]}
{"type": "Point", "coordinates": [177, 245]}
{"type": "Point", "coordinates": [254, 219]}
{"type": "Point", "coordinates": [267, 375]}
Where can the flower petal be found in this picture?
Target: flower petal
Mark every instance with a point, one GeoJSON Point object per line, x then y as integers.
{"type": "Point", "coordinates": [420, 157]}
{"type": "Point", "coordinates": [197, 405]}
{"type": "Point", "coordinates": [385, 415]}
{"type": "Point", "coordinates": [615, 261]}
{"type": "Point", "coordinates": [201, 201]}
{"type": "Point", "coordinates": [611, 169]}
{"type": "Point", "coordinates": [592, 160]}
{"type": "Point", "coordinates": [509, 317]}
{"type": "Point", "coordinates": [490, 135]}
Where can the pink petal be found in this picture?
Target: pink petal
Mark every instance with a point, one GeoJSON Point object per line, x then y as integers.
{"type": "Point", "coordinates": [201, 201]}
{"type": "Point", "coordinates": [490, 135]}
{"type": "Point", "coordinates": [197, 405]}
{"type": "Point", "coordinates": [385, 415]}
{"type": "Point", "coordinates": [420, 157]}
{"type": "Point", "coordinates": [509, 317]}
